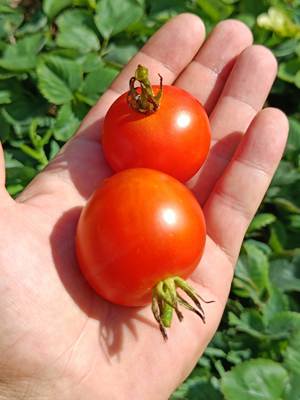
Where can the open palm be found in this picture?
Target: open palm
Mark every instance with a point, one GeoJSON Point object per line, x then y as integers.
{"type": "Point", "coordinates": [58, 339]}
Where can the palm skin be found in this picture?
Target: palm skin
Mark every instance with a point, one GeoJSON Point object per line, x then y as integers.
{"type": "Point", "coordinates": [58, 338]}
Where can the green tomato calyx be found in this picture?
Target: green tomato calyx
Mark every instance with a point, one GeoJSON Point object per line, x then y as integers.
{"type": "Point", "coordinates": [166, 300]}
{"type": "Point", "coordinates": [142, 98]}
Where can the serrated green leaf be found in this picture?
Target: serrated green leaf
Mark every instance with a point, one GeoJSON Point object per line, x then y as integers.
{"type": "Point", "coordinates": [52, 86]}
{"type": "Point", "coordinates": [292, 354]}
{"type": "Point", "coordinates": [284, 324]}
{"type": "Point", "coordinates": [294, 222]}
{"type": "Point", "coordinates": [53, 7]}
{"type": "Point", "coordinates": [77, 31]}
{"type": "Point", "coordinates": [24, 105]}
{"type": "Point", "coordinates": [4, 129]}
{"type": "Point", "coordinates": [121, 54]}
{"type": "Point", "coordinates": [113, 16]}
{"type": "Point", "coordinates": [97, 82]}
{"type": "Point", "coordinates": [79, 38]}
{"type": "Point", "coordinates": [256, 379]}
{"type": "Point", "coordinates": [293, 143]}
{"type": "Point", "coordinates": [10, 20]}
{"type": "Point", "coordinates": [5, 96]}
{"type": "Point", "coordinates": [22, 56]}
{"type": "Point", "coordinates": [36, 23]}
{"type": "Point", "coordinates": [287, 205]}
{"type": "Point", "coordinates": [18, 175]}
{"type": "Point", "coordinates": [250, 322]}
{"type": "Point", "coordinates": [215, 9]}
{"type": "Point", "coordinates": [285, 274]}
{"type": "Point", "coordinates": [54, 149]}
{"type": "Point", "coordinates": [286, 48]}
{"type": "Point", "coordinates": [58, 79]}
{"type": "Point", "coordinates": [260, 221]}
{"type": "Point", "coordinates": [193, 387]}
{"type": "Point", "coordinates": [66, 123]}
{"type": "Point", "coordinates": [277, 302]}
{"type": "Point", "coordinates": [90, 62]}
{"type": "Point", "coordinates": [287, 70]}
{"type": "Point", "coordinates": [252, 273]}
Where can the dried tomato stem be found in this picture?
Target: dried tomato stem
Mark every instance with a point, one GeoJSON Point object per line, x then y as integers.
{"type": "Point", "coordinates": [165, 300]}
{"type": "Point", "coordinates": [142, 98]}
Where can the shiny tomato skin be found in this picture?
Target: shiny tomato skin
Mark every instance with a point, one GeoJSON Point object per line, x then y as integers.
{"type": "Point", "coordinates": [175, 139]}
{"type": "Point", "coordinates": [139, 227]}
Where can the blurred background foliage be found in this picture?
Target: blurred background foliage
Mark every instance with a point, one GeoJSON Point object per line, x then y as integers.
{"type": "Point", "coordinates": [58, 56]}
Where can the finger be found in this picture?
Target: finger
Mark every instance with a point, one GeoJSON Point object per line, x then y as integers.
{"type": "Point", "coordinates": [239, 192]}
{"type": "Point", "coordinates": [167, 52]}
{"type": "Point", "coordinates": [236, 197]}
{"type": "Point", "coordinates": [243, 96]}
{"type": "Point", "coordinates": [206, 75]}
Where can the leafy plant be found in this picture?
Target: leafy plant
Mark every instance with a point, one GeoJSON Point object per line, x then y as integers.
{"type": "Point", "coordinates": [58, 56]}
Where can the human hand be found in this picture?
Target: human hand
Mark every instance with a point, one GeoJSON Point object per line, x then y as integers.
{"type": "Point", "coordinates": [58, 338]}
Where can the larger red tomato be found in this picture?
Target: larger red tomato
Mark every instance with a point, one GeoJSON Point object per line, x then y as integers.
{"type": "Point", "coordinates": [174, 138]}
{"type": "Point", "coordinates": [140, 227]}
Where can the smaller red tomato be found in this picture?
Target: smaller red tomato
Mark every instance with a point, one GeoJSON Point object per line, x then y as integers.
{"type": "Point", "coordinates": [168, 131]}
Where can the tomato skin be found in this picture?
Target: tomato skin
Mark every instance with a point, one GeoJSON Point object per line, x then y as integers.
{"type": "Point", "coordinates": [139, 227]}
{"type": "Point", "coordinates": [175, 139]}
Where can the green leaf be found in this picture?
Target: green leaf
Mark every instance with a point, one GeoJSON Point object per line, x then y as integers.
{"type": "Point", "coordinates": [294, 222]}
{"type": "Point", "coordinates": [286, 48]}
{"type": "Point", "coordinates": [287, 205]}
{"type": "Point", "coordinates": [294, 135]}
{"type": "Point", "coordinates": [121, 54]}
{"type": "Point", "coordinates": [4, 129]}
{"type": "Point", "coordinates": [288, 70]}
{"type": "Point", "coordinates": [22, 56]}
{"type": "Point", "coordinates": [277, 302]}
{"type": "Point", "coordinates": [58, 79]}
{"type": "Point", "coordinates": [285, 274]}
{"type": "Point", "coordinates": [54, 149]}
{"type": "Point", "coordinates": [215, 9]}
{"type": "Point", "coordinates": [97, 82]}
{"type": "Point", "coordinates": [250, 322]}
{"type": "Point", "coordinates": [5, 96]}
{"type": "Point", "coordinates": [252, 270]}
{"type": "Point", "coordinates": [114, 16]}
{"type": "Point", "coordinates": [255, 379]}
{"type": "Point", "coordinates": [292, 354]}
{"type": "Point", "coordinates": [260, 221]}
{"type": "Point", "coordinates": [36, 23]}
{"type": "Point", "coordinates": [190, 390]}
{"type": "Point", "coordinates": [24, 105]}
{"type": "Point", "coordinates": [77, 31]}
{"type": "Point", "coordinates": [18, 175]}
{"type": "Point", "coordinates": [53, 7]}
{"type": "Point", "coordinates": [10, 20]}
{"type": "Point", "coordinates": [284, 324]}
{"type": "Point", "coordinates": [90, 62]}
{"type": "Point", "coordinates": [66, 123]}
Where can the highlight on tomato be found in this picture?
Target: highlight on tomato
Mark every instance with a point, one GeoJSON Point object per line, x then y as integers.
{"type": "Point", "coordinates": [160, 127]}
{"type": "Point", "coordinates": [141, 234]}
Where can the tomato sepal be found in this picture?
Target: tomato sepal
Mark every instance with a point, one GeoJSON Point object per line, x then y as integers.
{"type": "Point", "coordinates": [166, 300]}
{"type": "Point", "coordinates": [142, 99]}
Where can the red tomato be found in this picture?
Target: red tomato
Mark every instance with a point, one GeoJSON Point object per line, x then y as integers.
{"type": "Point", "coordinates": [174, 139]}
{"type": "Point", "coordinates": [139, 227]}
